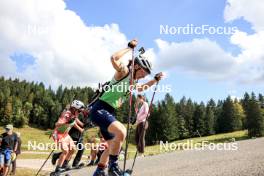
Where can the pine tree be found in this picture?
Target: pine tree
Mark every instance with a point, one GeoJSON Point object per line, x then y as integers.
{"type": "Point", "coordinates": [168, 115]}
{"type": "Point", "coordinates": [231, 116]}
{"type": "Point", "coordinates": [199, 119]}
{"type": "Point", "coordinates": [255, 119]}
{"type": "Point", "coordinates": [225, 120]}
{"type": "Point", "coordinates": [261, 100]}
{"type": "Point", "coordinates": [153, 134]}
{"type": "Point", "coordinates": [209, 121]}
{"type": "Point", "coordinates": [183, 131]}
{"type": "Point", "coordinates": [239, 118]}
{"type": "Point", "coordinates": [2, 107]}
{"type": "Point", "coordinates": [181, 109]}
{"type": "Point", "coordinates": [19, 119]}
{"type": "Point", "coordinates": [27, 110]}
{"type": "Point", "coordinates": [38, 114]}
{"type": "Point", "coordinates": [189, 117]}
{"type": "Point", "coordinates": [218, 117]}
{"type": "Point", "coordinates": [8, 112]}
{"type": "Point", "coordinates": [55, 113]}
{"type": "Point", "coordinates": [245, 102]}
{"type": "Point", "coordinates": [211, 114]}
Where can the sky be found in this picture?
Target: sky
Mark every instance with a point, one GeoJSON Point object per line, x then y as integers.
{"type": "Point", "coordinates": [70, 42]}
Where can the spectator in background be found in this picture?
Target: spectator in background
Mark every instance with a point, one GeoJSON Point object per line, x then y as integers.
{"type": "Point", "coordinates": [141, 122]}
{"type": "Point", "coordinates": [8, 145]}
{"type": "Point", "coordinates": [18, 151]}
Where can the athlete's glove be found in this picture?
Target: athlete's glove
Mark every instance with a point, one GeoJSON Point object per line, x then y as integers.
{"type": "Point", "coordinates": [158, 76]}
{"type": "Point", "coordinates": [132, 44]}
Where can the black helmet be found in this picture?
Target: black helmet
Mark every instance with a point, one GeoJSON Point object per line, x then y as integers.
{"type": "Point", "coordinates": [143, 63]}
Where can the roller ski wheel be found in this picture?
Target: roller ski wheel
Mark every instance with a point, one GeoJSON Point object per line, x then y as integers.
{"type": "Point", "coordinates": [79, 166]}
{"type": "Point", "coordinates": [55, 173]}
{"type": "Point", "coordinates": [128, 172]}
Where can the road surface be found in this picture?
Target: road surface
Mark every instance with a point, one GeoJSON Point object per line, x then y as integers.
{"type": "Point", "coordinates": [247, 160]}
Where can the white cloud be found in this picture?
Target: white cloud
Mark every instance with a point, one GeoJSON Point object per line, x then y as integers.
{"type": "Point", "coordinates": [66, 51]}
{"type": "Point", "coordinates": [250, 10]}
{"type": "Point", "coordinates": [251, 57]}
{"type": "Point", "coordinates": [200, 56]}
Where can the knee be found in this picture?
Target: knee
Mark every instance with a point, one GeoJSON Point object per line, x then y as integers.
{"type": "Point", "coordinates": [121, 134]}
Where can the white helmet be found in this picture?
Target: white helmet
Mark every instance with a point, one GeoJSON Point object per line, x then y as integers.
{"type": "Point", "coordinates": [77, 104]}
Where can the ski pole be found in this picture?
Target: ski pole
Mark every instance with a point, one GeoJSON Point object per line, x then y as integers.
{"type": "Point", "coordinates": [44, 162]}
{"type": "Point", "coordinates": [130, 106]}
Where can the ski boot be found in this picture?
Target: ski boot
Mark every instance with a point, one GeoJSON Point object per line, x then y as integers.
{"type": "Point", "coordinates": [55, 157]}
{"type": "Point", "coordinates": [57, 171]}
{"type": "Point", "coordinates": [128, 172]}
{"type": "Point", "coordinates": [91, 163]}
{"type": "Point", "coordinates": [114, 170]}
{"type": "Point", "coordinates": [66, 166]}
{"type": "Point", "coordinates": [78, 166]}
{"type": "Point", "coordinates": [99, 173]}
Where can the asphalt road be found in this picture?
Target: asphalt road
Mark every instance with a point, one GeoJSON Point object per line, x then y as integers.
{"type": "Point", "coordinates": [247, 160]}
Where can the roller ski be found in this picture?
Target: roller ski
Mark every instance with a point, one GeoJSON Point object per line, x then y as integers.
{"type": "Point", "coordinates": [58, 171]}
{"type": "Point", "coordinates": [79, 166]}
{"type": "Point", "coordinates": [116, 171]}
{"type": "Point", "coordinates": [113, 170]}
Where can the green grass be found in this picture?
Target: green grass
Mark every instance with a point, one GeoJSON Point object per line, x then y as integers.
{"type": "Point", "coordinates": [38, 135]}
{"type": "Point", "coordinates": [27, 172]}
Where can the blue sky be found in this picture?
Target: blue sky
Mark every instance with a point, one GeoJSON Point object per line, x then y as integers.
{"type": "Point", "coordinates": [143, 18]}
{"type": "Point", "coordinates": [85, 31]}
